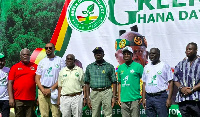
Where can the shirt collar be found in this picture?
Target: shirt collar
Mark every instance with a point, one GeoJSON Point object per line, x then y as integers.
{"type": "Point", "coordinates": [130, 64]}
{"type": "Point", "coordinates": [103, 63]}
{"type": "Point", "coordinates": [75, 68]}
{"type": "Point", "coordinates": [25, 64]}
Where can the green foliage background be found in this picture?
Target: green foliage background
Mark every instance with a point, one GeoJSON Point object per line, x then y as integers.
{"type": "Point", "coordinates": [26, 24]}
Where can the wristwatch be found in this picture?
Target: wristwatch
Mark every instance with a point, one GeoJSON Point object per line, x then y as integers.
{"type": "Point", "coordinates": [51, 89]}
{"type": "Point", "coordinates": [192, 90]}
{"type": "Point", "coordinates": [179, 88]}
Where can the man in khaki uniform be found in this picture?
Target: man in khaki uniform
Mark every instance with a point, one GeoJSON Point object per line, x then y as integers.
{"type": "Point", "coordinates": [70, 87]}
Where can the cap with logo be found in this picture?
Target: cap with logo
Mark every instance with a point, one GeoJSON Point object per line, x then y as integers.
{"type": "Point", "coordinates": [127, 48]}
{"type": "Point", "coordinates": [97, 49]}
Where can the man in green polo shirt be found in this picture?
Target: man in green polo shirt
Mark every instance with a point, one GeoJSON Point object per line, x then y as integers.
{"type": "Point", "coordinates": [129, 75]}
{"type": "Point", "coordinates": [99, 76]}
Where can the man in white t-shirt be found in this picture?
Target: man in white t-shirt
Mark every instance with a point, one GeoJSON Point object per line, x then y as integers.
{"type": "Point", "coordinates": [156, 77]}
{"type": "Point", "coordinates": [47, 81]}
{"type": "Point", "coordinates": [4, 98]}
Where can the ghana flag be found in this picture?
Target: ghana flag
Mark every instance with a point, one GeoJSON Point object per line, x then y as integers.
{"type": "Point", "coordinates": [60, 37]}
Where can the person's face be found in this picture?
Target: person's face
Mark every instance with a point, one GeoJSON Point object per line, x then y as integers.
{"type": "Point", "coordinates": [70, 61]}
{"type": "Point", "coordinates": [154, 56]}
{"type": "Point", "coordinates": [127, 56]}
{"type": "Point", "coordinates": [190, 51]}
{"type": "Point", "coordinates": [2, 62]}
{"type": "Point", "coordinates": [98, 55]}
{"type": "Point", "coordinates": [139, 54]}
{"type": "Point", "coordinates": [119, 56]}
{"type": "Point", "coordinates": [25, 56]}
{"type": "Point", "coordinates": [49, 48]}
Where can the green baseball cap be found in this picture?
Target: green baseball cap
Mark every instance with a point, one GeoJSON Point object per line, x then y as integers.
{"type": "Point", "coordinates": [2, 55]}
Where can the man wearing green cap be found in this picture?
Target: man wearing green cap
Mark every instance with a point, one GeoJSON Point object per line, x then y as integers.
{"type": "Point", "coordinates": [4, 99]}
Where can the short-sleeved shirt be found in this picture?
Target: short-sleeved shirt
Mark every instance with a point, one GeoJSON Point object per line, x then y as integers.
{"type": "Point", "coordinates": [24, 85]}
{"type": "Point", "coordinates": [157, 77]}
{"type": "Point", "coordinates": [100, 76]}
{"type": "Point", "coordinates": [71, 81]}
{"type": "Point", "coordinates": [49, 69]}
{"type": "Point", "coordinates": [189, 76]}
{"type": "Point", "coordinates": [129, 76]}
{"type": "Point", "coordinates": [4, 83]}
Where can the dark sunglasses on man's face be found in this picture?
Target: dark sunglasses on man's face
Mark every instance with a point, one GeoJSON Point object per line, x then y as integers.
{"type": "Point", "coordinates": [50, 48]}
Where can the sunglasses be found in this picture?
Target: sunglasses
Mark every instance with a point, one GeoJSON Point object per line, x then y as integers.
{"type": "Point", "coordinates": [50, 48]}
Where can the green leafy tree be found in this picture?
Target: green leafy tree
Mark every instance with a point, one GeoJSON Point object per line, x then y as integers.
{"type": "Point", "coordinates": [27, 24]}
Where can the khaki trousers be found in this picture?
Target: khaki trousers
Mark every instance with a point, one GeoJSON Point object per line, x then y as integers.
{"type": "Point", "coordinates": [101, 98]}
{"type": "Point", "coordinates": [45, 105]}
{"type": "Point", "coordinates": [130, 109]}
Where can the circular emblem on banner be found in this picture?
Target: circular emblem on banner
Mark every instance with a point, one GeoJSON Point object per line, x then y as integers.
{"type": "Point", "coordinates": [86, 15]}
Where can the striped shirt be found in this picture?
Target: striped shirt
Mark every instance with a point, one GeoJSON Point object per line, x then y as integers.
{"type": "Point", "coordinates": [189, 76]}
{"type": "Point", "coordinates": [100, 76]}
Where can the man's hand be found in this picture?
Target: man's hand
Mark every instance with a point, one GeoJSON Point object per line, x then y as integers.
{"type": "Point", "coordinates": [119, 101]}
{"type": "Point", "coordinates": [11, 103]}
{"type": "Point", "coordinates": [47, 92]}
{"type": "Point", "coordinates": [113, 102]}
{"type": "Point", "coordinates": [144, 103]}
{"type": "Point", "coordinates": [186, 91]}
{"type": "Point", "coordinates": [84, 101]}
{"type": "Point", "coordinates": [89, 103]}
{"type": "Point", "coordinates": [58, 101]}
{"type": "Point", "coordinates": [168, 103]}
{"type": "Point", "coordinates": [140, 101]}
{"type": "Point", "coordinates": [43, 91]}
{"type": "Point", "coordinates": [37, 101]}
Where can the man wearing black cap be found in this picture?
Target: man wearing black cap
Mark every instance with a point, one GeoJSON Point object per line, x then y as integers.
{"type": "Point", "coordinates": [129, 75]}
{"type": "Point", "coordinates": [99, 76]}
{"type": "Point", "coordinates": [4, 99]}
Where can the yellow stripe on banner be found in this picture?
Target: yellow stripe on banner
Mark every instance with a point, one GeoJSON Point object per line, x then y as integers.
{"type": "Point", "coordinates": [93, 17]}
{"type": "Point", "coordinates": [81, 19]}
{"type": "Point", "coordinates": [61, 36]}
{"type": "Point", "coordinates": [40, 56]}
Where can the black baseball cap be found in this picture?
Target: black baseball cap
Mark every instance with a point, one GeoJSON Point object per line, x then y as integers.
{"type": "Point", "coordinates": [97, 49]}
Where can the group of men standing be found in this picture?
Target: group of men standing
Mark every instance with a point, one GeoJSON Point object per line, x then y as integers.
{"type": "Point", "coordinates": [64, 87]}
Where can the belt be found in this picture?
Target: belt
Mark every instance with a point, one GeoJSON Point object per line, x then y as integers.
{"type": "Point", "coordinates": [156, 94]}
{"type": "Point", "coordinates": [101, 89]}
{"type": "Point", "coordinates": [73, 94]}
{"type": "Point", "coordinates": [46, 87]}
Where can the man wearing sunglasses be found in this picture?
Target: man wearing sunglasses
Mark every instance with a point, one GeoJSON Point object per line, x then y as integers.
{"type": "Point", "coordinates": [47, 81]}
{"type": "Point", "coordinates": [21, 85]}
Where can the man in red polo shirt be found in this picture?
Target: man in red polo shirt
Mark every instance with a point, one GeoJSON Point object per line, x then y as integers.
{"type": "Point", "coordinates": [22, 86]}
